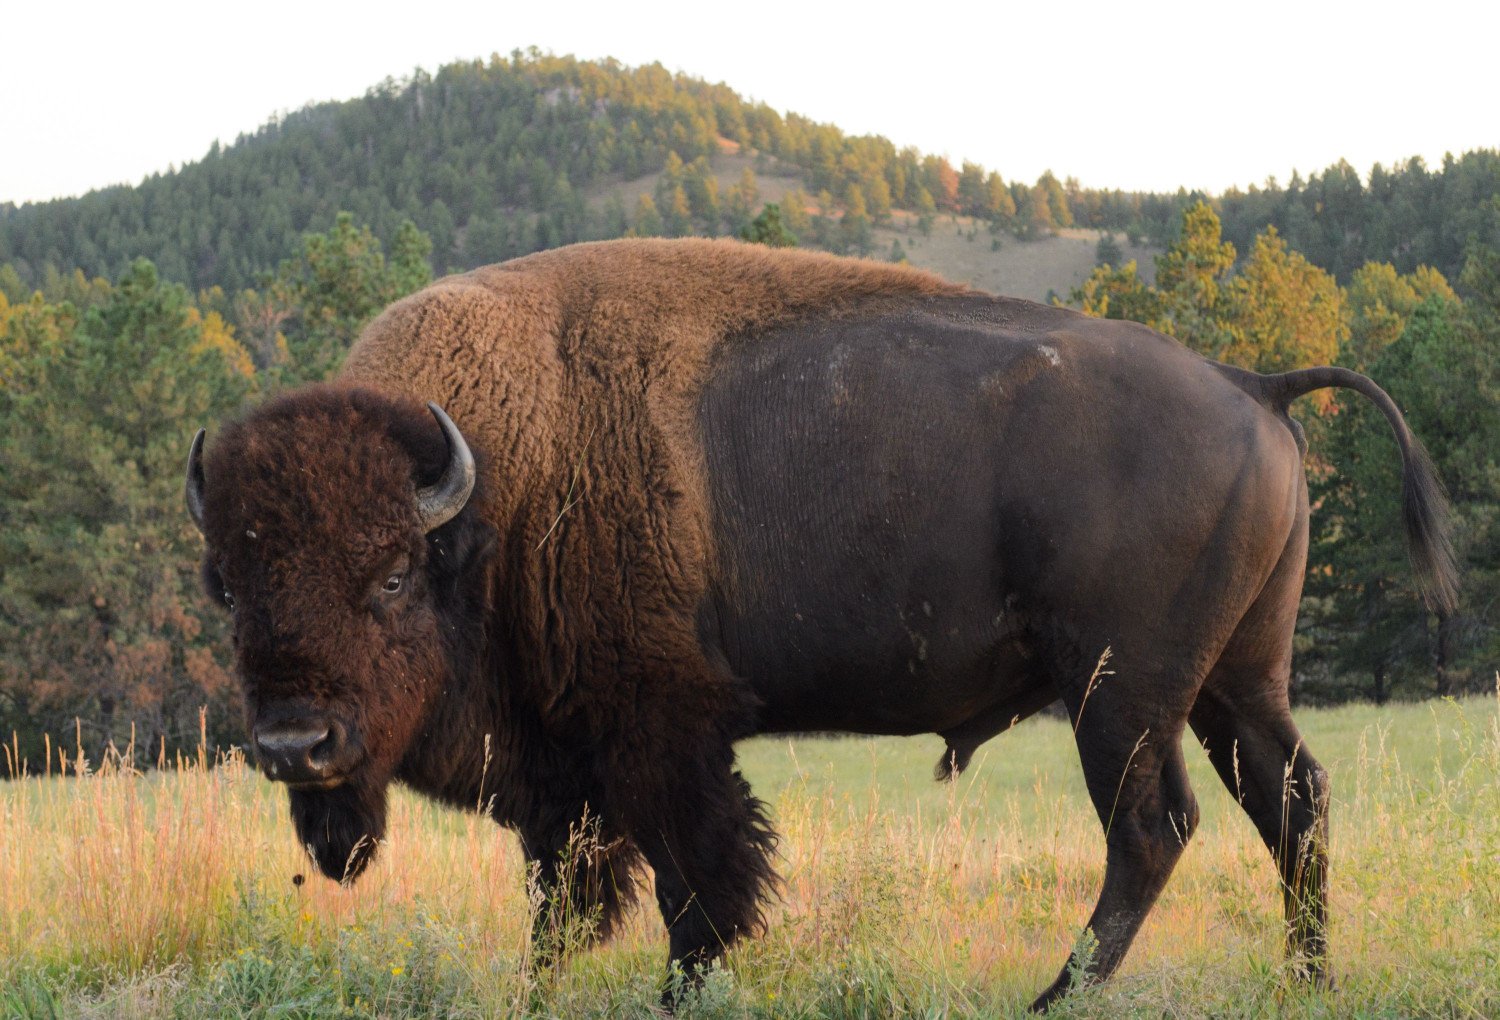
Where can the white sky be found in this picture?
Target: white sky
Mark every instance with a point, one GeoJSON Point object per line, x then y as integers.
{"type": "Point", "coordinates": [1135, 94]}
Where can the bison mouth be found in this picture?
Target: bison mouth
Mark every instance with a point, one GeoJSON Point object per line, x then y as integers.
{"type": "Point", "coordinates": [332, 782]}
{"type": "Point", "coordinates": [340, 826]}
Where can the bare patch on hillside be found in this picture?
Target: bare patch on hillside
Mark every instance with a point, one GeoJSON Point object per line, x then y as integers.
{"type": "Point", "coordinates": [962, 249]}
{"type": "Point", "coordinates": [958, 248]}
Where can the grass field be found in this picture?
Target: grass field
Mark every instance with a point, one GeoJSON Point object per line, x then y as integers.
{"type": "Point", "coordinates": [173, 893]}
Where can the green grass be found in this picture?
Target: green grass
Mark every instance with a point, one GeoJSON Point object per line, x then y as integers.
{"type": "Point", "coordinates": [171, 894]}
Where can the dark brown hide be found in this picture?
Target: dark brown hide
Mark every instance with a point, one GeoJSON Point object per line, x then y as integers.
{"type": "Point", "coordinates": [727, 490]}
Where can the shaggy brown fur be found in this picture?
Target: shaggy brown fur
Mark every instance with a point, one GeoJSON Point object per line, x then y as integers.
{"type": "Point", "coordinates": [578, 373]}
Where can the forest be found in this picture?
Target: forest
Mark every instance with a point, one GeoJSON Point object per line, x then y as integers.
{"type": "Point", "coordinates": [132, 315]}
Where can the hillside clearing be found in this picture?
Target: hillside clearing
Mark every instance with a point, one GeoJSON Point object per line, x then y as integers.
{"type": "Point", "coordinates": [959, 248]}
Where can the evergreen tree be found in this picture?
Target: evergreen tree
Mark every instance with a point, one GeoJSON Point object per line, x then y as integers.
{"type": "Point", "coordinates": [999, 206]}
{"type": "Point", "coordinates": [926, 212]}
{"type": "Point", "coordinates": [878, 199]}
{"type": "Point", "coordinates": [342, 280]}
{"type": "Point", "coordinates": [677, 212]}
{"type": "Point", "coordinates": [793, 207]}
{"type": "Point", "coordinates": [1445, 375]}
{"type": "Point", "coordinates": [972, 194]}
{"type": "Point", "coordinates": [1057, 200]}
{"type": "Point", "coordinates": [1107, 252]}
{"type": "Point", "coordinates": [101, 613]}
{"type": "Point", "coordinates": [743, 198]}
{"type": "Point", "coordinates": [768, 228]}
{"type": "Point", "coordinates": [702, 189]}
{"type": "Point", "coordinates": [855, 232]}
{"type": "Point", "coordinates": [647, 221]}
{"type": "Point", "coordinates": [1380, 301]}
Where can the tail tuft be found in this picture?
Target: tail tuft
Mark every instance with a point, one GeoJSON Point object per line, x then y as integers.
{"type": "Point", "coordinates": [1424, 511]}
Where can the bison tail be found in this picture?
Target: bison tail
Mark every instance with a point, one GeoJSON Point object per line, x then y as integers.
{"type": "Point", "coordinates": [1424, 505]}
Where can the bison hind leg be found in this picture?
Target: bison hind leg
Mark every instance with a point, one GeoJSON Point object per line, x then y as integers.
{"type": "Point", "coordinates": [1129, 739]}
{"type": "Point", "coordinates": [1243, 719]}
{"type": "Point", "coordinates": [1263, 761]}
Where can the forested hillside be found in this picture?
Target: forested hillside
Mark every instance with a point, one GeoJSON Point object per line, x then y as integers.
{"type": "Point", "coordinates": [133, 315]}
{"type": "Point", "coordinates": [495, 159]}
{"type": "Point", "coordinates": [1408, 215]}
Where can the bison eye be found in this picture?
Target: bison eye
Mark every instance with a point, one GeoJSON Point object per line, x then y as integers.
{"type": "Point", "coordinates": [392, 584]}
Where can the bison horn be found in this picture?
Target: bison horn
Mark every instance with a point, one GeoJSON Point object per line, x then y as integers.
{"type": "Point", "coordinates": [195, 480]}
{"type": "Point", "coordinates": [440, 503]}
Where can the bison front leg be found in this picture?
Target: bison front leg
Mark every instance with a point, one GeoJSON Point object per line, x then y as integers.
{"type": "Point", "coordinates": [707, 838]}
{"type": "Point", "coordinates": [583, 877]}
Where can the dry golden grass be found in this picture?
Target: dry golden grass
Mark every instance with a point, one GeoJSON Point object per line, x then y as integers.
{"type": "Point", "coordinates": [960, 249]}
{"type": "Point", "coordinates": [171, 893]}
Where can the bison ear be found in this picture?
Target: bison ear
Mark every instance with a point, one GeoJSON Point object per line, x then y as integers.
{"type": "Point", "coordinates": [460, 549]}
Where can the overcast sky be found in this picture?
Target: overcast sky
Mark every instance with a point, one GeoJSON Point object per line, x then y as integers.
{"type": "Point", "coordinates": [1134, 95]}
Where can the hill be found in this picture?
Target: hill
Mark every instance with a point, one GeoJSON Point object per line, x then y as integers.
{"type": "Point", "coordinates": [499, 158]}
{"type": "Point", "coordinates": [1052, 265]}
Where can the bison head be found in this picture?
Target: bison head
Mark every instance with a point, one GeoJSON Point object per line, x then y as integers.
{"type": "Point", "coordinates": [337, 537]}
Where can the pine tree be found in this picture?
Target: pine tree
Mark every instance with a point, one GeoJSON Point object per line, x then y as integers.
{"type": "Point", "coordinates": [769, 229]}
{"type": "Point", "coordinates": [101, 612]}
{"type": "Point", "coordinates": [1445, 375]}
{"type": "Point", "coordinates": [342, 280]}
{"type": "Point", "coordinates": [703, 193]}
{"type": "Point", "coordinates": [855, 233]}
{"type": "Point", "coordinates": [742, 202]}
{"type": "Point", "coordinates": [647, 221]}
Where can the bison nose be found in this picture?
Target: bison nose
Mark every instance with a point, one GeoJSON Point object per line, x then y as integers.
{"type": "Point", "coordinates": [299, 751]}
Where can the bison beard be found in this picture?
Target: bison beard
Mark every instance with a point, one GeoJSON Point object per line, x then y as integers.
{"type": "Point", "coordinates": [340, 828]}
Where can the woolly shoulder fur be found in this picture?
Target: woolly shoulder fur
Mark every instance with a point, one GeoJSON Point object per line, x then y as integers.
{"type": "Point", "coordinates": [576, 374]}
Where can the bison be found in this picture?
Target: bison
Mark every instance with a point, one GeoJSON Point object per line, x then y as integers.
{"type": "Point", "coordinates": [692, 491]}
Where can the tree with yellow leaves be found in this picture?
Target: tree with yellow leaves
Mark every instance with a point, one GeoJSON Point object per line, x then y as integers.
{"type": "Point", "coordinates": [1380, 301]}
{"type": "Point", "coordinates": [1276, 313]}
{"type": "Point", "coordinates": [1281, 312]}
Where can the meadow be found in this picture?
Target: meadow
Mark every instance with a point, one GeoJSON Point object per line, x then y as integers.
{"type": "Point", "coordinates": [179, 892]}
